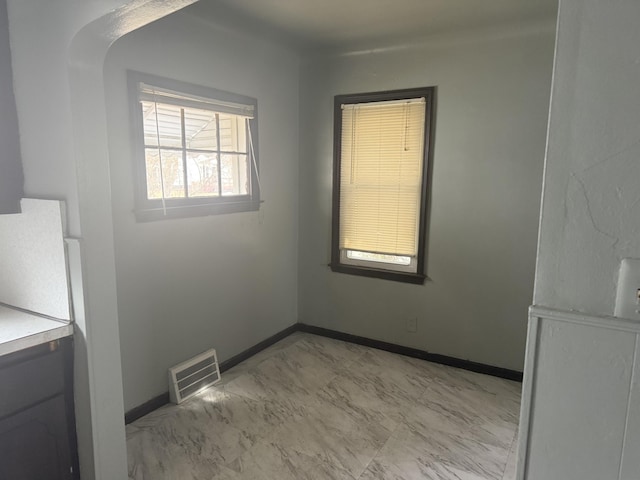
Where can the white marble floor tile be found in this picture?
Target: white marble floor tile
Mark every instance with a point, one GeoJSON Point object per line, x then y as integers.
{"type": "Point", "coordinates": [494, 397]}
{"type": "Point", "coordinates": [259, 357]}
{"type": "Point", "coordinates": [371, 391]}
{"type": "Point", "coordinates": [334, 437]}
{"type": "Point", "coordinates": [410, 374]}
{"type": "Point", "coordinates": [389, 377]}
{"type": "Point", "coordinates": [464, 413]}
{"type": "Point", "coordinates": [333, 352]}
{"type": "Point", "coordinates": [269, 460]}
{"type": "Point", "coordinates": [153, 458]}
{"type": "Point", "coordinates": [214, 425]}
{"type": "Point", "coordinates": [293, 374]}
{"type": "Point", "coordinates": [436, 455]}
{"type": "Point", "coordinates": [360, 399]}
{"type": "Point", "coordinates": [313, 408]}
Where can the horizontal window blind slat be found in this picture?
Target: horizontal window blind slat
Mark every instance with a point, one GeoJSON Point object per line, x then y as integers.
{"type": "Point", "coordinates": [383, 104]}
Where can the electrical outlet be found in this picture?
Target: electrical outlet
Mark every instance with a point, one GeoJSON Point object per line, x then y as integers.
{"type": "Point", "coordinates": [628, 294]}
{"type": "Point", "coordinates": [412, 324]}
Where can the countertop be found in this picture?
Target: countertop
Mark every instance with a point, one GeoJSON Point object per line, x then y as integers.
{"type": "Point", "coordinates": [20, 330]}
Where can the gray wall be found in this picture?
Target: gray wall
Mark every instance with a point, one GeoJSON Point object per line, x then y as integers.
{"type": "Point", "coordinates": [226, 281]}
{"type": "Point", "coordinates": [590, 215]}
{"type": "Point", "coordinates": [493, 97]}
{"type": "Point", "coordinates": [11, 177]}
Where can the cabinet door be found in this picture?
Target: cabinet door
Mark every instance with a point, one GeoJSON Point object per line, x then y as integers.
{"type": "Point", "coordinates": [34, 444]}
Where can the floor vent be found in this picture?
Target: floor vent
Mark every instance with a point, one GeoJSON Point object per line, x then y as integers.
{"type": "Point", "coordinates": [194, 375]}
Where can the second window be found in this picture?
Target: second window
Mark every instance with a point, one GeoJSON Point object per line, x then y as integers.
{"type": "Point", "coordinates": [380, 183]}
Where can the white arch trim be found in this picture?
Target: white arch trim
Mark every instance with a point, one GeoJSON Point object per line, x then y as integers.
{"type": "Point", "coordinates": [99, 404]}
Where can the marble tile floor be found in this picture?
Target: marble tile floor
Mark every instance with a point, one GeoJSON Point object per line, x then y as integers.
{"type": "Point", "coordinates": [313, 408]}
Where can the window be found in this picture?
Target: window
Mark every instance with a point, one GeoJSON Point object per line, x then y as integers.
{"type": "Point", "coordinates": [381, 166]}
{"type": "Point", "coordinates": [195, 149]}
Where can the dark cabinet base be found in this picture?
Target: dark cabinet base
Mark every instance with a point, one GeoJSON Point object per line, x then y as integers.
{"type": "Point", "coordinates": [34, 443]}
{"type": "Point", "coordinates": [37, 427]}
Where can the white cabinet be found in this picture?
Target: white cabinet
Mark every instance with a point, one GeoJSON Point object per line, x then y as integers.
{"type": "Point", "coordinates": [581, 398]}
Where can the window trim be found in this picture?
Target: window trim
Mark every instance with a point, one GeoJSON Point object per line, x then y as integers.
{"type": "Point", "coordinates": [152, 209]}
{"type": "Point", "coordinates": [336, 265]}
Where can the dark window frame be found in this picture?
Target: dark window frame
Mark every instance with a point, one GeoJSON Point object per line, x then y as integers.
{"type": "Point", "coordinates": [152, 209]}
{"type": "Point", "coordinates": [419, 277]}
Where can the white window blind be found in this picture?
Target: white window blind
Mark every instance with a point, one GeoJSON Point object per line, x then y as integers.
{"type": "Point", "coordinates": [151, 93]}
{"type": "Point", "coordinates": [382, 156]}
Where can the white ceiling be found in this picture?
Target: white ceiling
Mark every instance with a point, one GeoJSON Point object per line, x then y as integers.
{"type": "Point", "coordinates": [339, 23]}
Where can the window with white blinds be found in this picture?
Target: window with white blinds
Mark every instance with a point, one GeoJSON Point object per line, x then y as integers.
{"type": "Point", "coordinates": [196, 149]}
{"type": "Point", "coordinates": [380, 186]}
